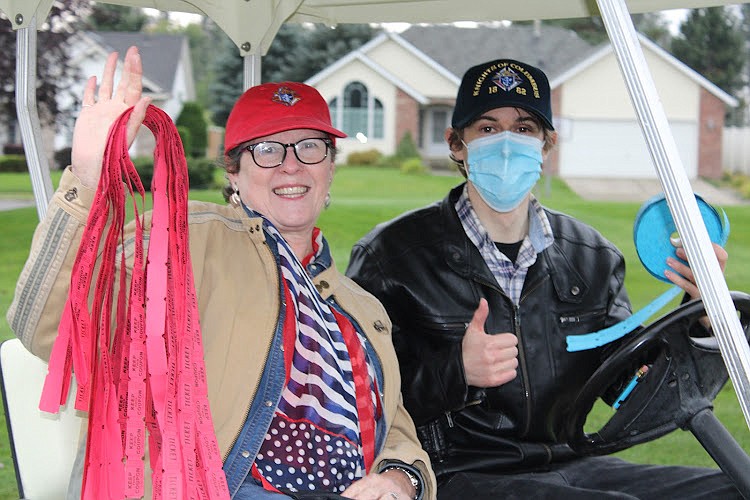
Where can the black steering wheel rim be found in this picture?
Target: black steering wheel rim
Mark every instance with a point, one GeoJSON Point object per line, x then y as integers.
{"type": "Point", "coordinates": [684, 376]}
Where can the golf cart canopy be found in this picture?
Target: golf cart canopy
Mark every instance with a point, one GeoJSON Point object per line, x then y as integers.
{"type": "Point", "coordinates": [252, 25]}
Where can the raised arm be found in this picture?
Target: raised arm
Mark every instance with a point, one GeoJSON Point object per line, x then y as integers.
{"type": "Point", "coordinates": [42, 287]}
{"type": "Point", "coordinates": [100, 109]}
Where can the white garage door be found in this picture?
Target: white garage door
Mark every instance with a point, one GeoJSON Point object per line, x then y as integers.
{"type": "Point", "coordinates": [618, 149]}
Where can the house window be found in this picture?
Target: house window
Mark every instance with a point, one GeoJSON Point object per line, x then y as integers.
{"type": "Point", "coordinates": [377, 119]}
{"type": "Point", "coordinates": [360, 114]}
{"type": "Point", "coordinates": [333, 108]}
{"type": "Point", "coordinates": [355, 109]}
{"type": "Point", "coordinates": [439, 119]}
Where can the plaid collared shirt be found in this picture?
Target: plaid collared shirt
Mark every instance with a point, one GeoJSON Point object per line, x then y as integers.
{"type": "Point", "coordinates": [510, 276]}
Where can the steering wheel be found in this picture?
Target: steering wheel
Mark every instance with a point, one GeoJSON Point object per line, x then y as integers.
{"type": "Point", "coordinates": [664, 378]}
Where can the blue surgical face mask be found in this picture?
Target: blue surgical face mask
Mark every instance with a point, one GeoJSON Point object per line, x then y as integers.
{"type": "Point", "coordinates": [504, 167]}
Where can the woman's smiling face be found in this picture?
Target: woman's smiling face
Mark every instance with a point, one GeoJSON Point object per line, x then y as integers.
{"type": "Point", "coordinates": [291, 195]}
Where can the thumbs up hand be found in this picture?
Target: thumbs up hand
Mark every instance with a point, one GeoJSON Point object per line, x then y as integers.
{"type": "Point", "coordinates": [489, 360]}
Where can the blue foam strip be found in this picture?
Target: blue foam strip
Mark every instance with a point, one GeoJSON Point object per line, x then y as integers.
{"type": "Point", "coordinates": [651, 232]}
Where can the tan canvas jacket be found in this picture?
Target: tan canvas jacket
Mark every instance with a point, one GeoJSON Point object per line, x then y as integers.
{"type": "Point", "coordinates": [237, 285]}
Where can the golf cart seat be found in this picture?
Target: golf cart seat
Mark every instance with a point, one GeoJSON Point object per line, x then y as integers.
{"type": "Point", "coordinates": [43, 446]}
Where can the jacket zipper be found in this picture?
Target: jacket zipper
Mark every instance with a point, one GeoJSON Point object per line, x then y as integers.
{"type": "Point", "coordinates": [566, 320]}
{"type": "Point", "coordinates": [521, 355]}
{"type": "Point", "coordinates": [524, 368]}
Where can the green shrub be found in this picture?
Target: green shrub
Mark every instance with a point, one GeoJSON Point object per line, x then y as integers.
{"type": "Point", "coordinates": [744, 189]}
{"type": "Point", "coordinates": [737, 181]}
{"type": "Point", "coordinates": [368, 157]}
{"type": "Point", "coordinates": [13, 163]}
{"type": "Point", "coordinates": [413, 166]}
{"type": "Point", "coordinates": [13, 149]}
{"type": "Point", "coordinates": [389, 161]}
{"type": "Point", "coordinates": [62, 158]}
{"type": "Point", "coordinates": [145, 167]}
{"type": "Point", "coordinates": [187, 139]}
{"type": "Point", "coordinates": [406, 147]}
{"type": "Point", "coordinates": [201, 172]}
{"type": "Point", "coordinates": [193, 118]}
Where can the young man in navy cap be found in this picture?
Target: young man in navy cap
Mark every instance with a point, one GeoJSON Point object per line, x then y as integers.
{"type": "Point", "coordinates": [483, 287]}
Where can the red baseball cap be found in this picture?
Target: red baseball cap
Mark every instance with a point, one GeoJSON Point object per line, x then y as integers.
{"type": "Point", "coordinates": [275, 107]}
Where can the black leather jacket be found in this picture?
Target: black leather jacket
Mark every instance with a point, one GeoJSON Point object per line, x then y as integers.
{"type": "Point", "coordinates": [430, 277]}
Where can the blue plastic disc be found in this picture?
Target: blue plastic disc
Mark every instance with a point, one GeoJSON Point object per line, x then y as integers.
{"type": "Point", "coordinates": [654, 226]}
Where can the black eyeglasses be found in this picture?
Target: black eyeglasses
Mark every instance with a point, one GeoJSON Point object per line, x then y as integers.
{"type": "Point", "coordinates": [270, 154]}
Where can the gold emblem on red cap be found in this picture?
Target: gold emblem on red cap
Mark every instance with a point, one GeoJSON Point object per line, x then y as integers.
{"type": "Point", "coordinates": [286, 96]}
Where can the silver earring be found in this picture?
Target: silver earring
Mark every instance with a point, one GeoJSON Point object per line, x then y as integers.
{"type": "Point", "coordinates": [234, 198]}
{"type": "Point", "coordinates": [327, 201]}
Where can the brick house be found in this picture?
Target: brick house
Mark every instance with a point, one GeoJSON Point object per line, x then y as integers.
{"type": "Point", "coordinates": [406, 82]}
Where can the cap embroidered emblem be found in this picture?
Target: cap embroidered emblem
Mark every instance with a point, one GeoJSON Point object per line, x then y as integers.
{"type": "Point", "coordinates": [286, 96]}
{"type": "Point", "coordinates": [507, 79]}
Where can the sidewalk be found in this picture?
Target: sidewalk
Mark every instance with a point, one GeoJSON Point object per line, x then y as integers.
{"type": "Point", "coordinates": [13, 204]}
{"type": "Point", "coordinates": [640, 190]}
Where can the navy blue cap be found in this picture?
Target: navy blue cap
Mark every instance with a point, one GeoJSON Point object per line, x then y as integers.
{"type": "Point", "coordinates": [499, 84]}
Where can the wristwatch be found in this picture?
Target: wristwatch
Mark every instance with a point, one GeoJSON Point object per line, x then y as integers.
{"type": "Point", "coordinates": [412, 477]}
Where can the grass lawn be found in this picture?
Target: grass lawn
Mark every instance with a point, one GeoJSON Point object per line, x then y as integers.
{"type": "Point", "coordinates": [362, 198]}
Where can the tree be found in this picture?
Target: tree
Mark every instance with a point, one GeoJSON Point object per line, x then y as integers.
{"type": "Point", "coordinates": [109, 17]}
{"type": "Point", "coordinates": [711, 43]}
{"type": "Point", "coordinates": [228, 83]}
{"type": "Point", "coordinates": [281, 60]}
{"type": "Point", "coordinates": [296, 54]}
{"type": "Point", "coordinates": [55, 74]}
{"type": "Point", "coordinates": [203, 39]}
{"type": "Point", "coordinates": [741, 114]}
{"type": "Point", "coordinates": [326, 45]}
{"type": "Point", "coordinates": [191, 118]}
{"type": "Point", "coordinates": [745, 26]}
{"type": "Point", "coordinates": [655, 27]}
{"type": "Point", "coordinates": [591, 29]}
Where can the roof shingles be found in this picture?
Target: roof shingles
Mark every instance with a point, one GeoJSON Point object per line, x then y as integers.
{"type": "Point", "coordinates": [553, 49]}
{"type": "Point", "coordinates": [160, 53]}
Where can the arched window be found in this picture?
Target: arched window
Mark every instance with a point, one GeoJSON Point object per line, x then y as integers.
{"type": "Point", "coordinates": [355, 109]}
{"type": "Point", "coordinates": [377, 119]}
{"type": "Point", "coordinates": [333, 108]}
{"type": "Point", "coordinates": [360, 114]}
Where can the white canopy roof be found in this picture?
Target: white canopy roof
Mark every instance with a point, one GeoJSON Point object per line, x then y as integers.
{"type": "Point", "coordinates": [256, 22]}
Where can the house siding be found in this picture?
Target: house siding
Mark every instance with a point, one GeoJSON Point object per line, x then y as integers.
{"type": "Point", "coordinates": [413, 70]}
{"type": "Point", "coordinates": [377, 87]}
{"type": "Point", "coordinates": [599, 92]}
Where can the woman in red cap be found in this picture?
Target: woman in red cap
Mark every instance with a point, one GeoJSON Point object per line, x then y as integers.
{"type": "Point", "coordinates": [303, 382]}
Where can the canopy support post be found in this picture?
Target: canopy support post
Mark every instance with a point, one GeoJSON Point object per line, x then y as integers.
{"type": "Point", "coordinates": [251, 75]}
{"type": "Point", "coordinates": [680, 197]}
{"type": "Point", "coordinates": [28, 117]}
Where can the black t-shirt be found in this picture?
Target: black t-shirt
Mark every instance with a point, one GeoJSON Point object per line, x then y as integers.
{"type": "Point", "coordinates": [510, 250]}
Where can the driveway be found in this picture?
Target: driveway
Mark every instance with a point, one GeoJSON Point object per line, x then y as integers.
{"type": "Point", "coordinates": [640, 190]}
{"type": "Point", "coordinates": [13, 204]}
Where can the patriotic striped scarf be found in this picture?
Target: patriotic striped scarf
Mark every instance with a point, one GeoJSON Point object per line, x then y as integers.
{"type": "Point", "coordinates": [323, 433]}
